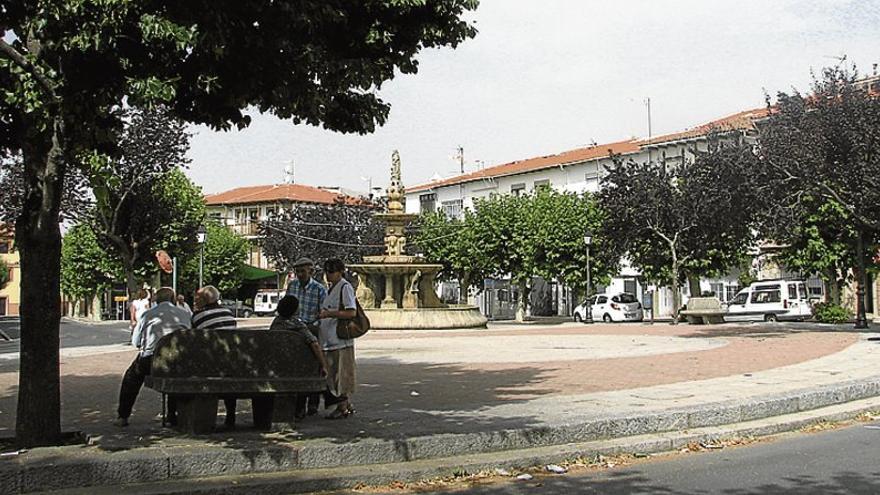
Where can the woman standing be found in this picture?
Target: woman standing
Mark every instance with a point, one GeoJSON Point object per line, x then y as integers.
{"type": "Point", "coordinates": [137, 308]}
{"type": "Point", "coordinates": [339, 353]}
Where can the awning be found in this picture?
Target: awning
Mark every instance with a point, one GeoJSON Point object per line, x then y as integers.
{"type": "Point", "coordinates": [255, 273]}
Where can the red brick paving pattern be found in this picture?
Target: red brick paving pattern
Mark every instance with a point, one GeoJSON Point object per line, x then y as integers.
{"type": "Point", "coordinates": [90, 384]}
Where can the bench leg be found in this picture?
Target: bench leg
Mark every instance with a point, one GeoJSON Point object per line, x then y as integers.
{"type": "Point", "coordinates": [284, 410]}
{"type": "Point", "coordinates": [262, 407]}
{"type": "Point", "coordinates": [196, 414]}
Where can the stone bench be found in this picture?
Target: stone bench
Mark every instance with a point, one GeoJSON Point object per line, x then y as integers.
{"type": "Point", "coordinates": [704, 310]}
{"type": "Point", "coordinates": [198, 367]}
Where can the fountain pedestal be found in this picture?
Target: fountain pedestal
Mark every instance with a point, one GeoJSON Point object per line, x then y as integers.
{"type": "Point", "coordinates": [397, 290]}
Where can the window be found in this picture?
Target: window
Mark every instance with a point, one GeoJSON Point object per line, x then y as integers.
{"type": "Point", "coordinates": [591, 177]}
{"type": "Point", "coordinates": [792, 291]}
{"type": "Point", "coordinates": [538, 184]}
{"type": "Point", "coordinates": [518, 189]}
{"type": "Point", "coordinates": [601, 300]}
{"type": "Point", "coordinates": [624, 298]}
{"type": "Point", "coordinates": [452, 208]}
{"type": "Point", "coordinates": [740, 298]}
{"type": "Point", "coordinates": [427, 203]}
{"type": "Point", "coordinates": [4, 247]}
{"type": "Point", "coordinates": [731, 291]}
{"type": "Point", "coordinates": [802, 291]}
{"type": "Point", "coordinates": [717, 290]}
{"type": "Point", "coordinates": [629, 286]}
{"type": "Point", "coordinates": [766, 296]}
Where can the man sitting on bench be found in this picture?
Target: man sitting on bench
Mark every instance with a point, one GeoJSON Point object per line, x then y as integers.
{"type": "Point", "coordinates": [160, 320]}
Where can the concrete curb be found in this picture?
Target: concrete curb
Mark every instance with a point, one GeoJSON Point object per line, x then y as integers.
{"type": "Point", "coordinates": [78, 467]}
{"type": "Point", "coordinates": [313, 480]}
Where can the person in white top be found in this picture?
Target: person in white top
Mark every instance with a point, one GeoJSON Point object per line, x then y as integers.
{"type": "Point", "coordinates": [339, 353]}
{"type": "Point", "coordinates": [137, 307]}
{"type": "Point", "coordinates": [160, 320]}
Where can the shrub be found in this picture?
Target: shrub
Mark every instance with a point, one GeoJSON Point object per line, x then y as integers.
{"type": "Point", "coordinates": [831, 313]}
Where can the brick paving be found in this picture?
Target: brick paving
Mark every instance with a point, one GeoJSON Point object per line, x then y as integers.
{"type": "Point", "coordinates": [402, 390]}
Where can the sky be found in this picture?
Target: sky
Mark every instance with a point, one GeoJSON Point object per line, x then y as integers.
{"type": "Point", "coordinates": [543, 77]}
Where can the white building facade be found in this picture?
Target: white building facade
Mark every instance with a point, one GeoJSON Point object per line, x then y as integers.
{"type": "Point", "coordinates": [578, 171]}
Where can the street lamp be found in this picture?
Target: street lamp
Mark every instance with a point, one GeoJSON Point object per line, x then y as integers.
{"type": "Point", "coordinates": [201, 236]}
{"type": "Point", "coordinates": [588, 240]}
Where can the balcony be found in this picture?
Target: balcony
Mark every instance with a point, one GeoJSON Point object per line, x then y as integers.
{"type": "Point", "coordinates": [248, 229]}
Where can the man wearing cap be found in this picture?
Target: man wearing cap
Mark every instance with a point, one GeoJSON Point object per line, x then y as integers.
{"type": "Point", "coordinates": [310, 294]}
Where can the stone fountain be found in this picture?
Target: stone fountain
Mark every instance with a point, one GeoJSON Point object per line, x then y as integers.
{"type": "Point", "coordinates": [397, 290]}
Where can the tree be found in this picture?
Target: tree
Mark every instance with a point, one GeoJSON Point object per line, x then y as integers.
{"type": "Point", "coordinates": [4, 274]}
{"type": "Point", "coordinates": [453, 243]}
{"type": "Point", "coordinates": [696, 216]}
{"type": "Point", "coordinates": [86, 267]}
{"type": "Point", "coordinates": [822, 150]}
{"type": "Point", "coordinates": [345, 230]}
{"type": "Point", "coordinates": [68, 66]}
{"type": "Point", "coordinates": [819, 243]}
{"type": "Point", "coordinates": [558, 222]}
{"type": "Point", "coordinates": [142, 201]}
{"type": "Point", "coordinates": [225, 256]}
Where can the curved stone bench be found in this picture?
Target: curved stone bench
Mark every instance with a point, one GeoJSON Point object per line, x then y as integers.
{"type": "Point", "coordinates": [198, 367]}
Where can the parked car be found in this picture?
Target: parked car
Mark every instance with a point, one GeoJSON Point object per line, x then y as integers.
{"type": "Point", "coordinates": [771, 300]}
{"type": "Point", "coordinates": [238, 308]}
{"type": "Point", "coordinates": [621, 306]}
{"type": "Point", "coordinates": [266, 301]}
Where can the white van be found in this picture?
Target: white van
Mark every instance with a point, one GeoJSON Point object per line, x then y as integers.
{"type": "Point", "coordinates": [770, 300]}
{"type": "Point", "coordinates": [266, 301]}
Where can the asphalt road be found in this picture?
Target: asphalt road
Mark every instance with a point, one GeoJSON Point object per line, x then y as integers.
{"type": "Point", "coordinates": [843, 461]}
{"type": "Point", "coordinates": [72, 334]}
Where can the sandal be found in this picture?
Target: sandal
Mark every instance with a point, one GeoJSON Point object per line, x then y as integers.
{"type": "Point", "coordinates": [339, 414]}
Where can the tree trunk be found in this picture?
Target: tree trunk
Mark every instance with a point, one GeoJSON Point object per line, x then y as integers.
{"type": "Point", "coordinates": [38, 237]}
{"type": "Point", "coordinates": [131, 282]}
{"type": "Point", "coordinates": [832, 286]}
{"type": "Point", "coordinates": [694, 285]}
{"type": "Point", "coordinates": [522, 307]}
{"type": "Point", "coordinates": [464, 285]}
{"type": "Point", "coordinates": [862, 282]}
{"type": "Point", "coordinates": [676, 290]}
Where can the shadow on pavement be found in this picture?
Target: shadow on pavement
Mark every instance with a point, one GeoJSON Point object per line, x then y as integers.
{"type": "Point", "coordinates": [394, 401]}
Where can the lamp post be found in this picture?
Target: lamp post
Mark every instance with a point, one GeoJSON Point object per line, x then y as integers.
{"type": "Point", "coordinates": [588, 239]}
{"type": "Point", "coordinates": [201, 236]}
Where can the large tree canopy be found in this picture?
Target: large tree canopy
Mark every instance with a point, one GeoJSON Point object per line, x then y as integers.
{"type": "Point", "coordinates": [820, 154]}
{"type": "Point", "coordinates": [68, 67]}
{"type": "Point", "coordinates": [322, 231]}
{"type": "Point", "coordinates": [693, 217]}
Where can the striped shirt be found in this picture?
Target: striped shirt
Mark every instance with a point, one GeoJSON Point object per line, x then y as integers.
{"type": "Point", "coordinates": [213, 317]}
{"type": "Point", "coordinates": [310, 297]}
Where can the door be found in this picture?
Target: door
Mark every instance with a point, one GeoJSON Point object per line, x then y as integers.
{"type": "Point", "coordinates": [736, 308]}
{"type": "Point", "coordinates": [600, 307]}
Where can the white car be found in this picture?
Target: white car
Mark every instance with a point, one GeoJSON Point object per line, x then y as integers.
{"type": "Point", "coordinates": [622, 306]}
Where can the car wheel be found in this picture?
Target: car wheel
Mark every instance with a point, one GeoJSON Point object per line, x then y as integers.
{"type": "Point", "coordinates": [577, 318]}
{"type": "Point", "coordinates": [770, 318]}
{"type": "Point", "coordinates": [607, 318]}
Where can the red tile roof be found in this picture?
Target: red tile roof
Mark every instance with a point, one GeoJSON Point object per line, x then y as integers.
{"type": "Point", "coordinates": [532, 164]}
{"type": "Point", "coordinates": [738, 121]}
{"type": "Point", "coordinates": [297, 193]}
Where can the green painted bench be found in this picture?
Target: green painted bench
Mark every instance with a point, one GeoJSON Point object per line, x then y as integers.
{"type": "Point", "coordinates": [198, 367]}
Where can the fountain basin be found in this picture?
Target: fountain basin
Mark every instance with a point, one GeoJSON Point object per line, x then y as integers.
{"type": "Point", "coordinates": [452, 316]}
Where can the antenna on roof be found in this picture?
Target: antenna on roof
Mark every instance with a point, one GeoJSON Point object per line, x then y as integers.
{"type": "Point", "coordinates": [288, 172]}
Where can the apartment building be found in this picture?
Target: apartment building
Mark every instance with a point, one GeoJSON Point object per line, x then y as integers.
{"type": "Point", "coordinates": [581, 170]}
{"type": "Point", "coordinates": [10, 294]}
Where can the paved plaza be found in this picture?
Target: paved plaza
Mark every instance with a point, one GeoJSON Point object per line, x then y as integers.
{"type": "Point", "coordinates": [478, 386]}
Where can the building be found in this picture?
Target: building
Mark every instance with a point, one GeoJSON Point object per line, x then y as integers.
{"type": "Point", "coordinates": [243, 208]}
{"type": "Point", "coordinates": [581, 170]}
{"type": "Point", "coordinates": [10, 294]}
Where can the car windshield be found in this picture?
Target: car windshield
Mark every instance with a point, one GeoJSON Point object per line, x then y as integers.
{"type": "Point", "coordinates": [624, 298]}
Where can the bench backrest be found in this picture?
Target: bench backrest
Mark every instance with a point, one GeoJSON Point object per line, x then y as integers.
{"type": "Point", "coordinates": [703, 304]}
{"type": "Point", "coordinates": [234, 353]}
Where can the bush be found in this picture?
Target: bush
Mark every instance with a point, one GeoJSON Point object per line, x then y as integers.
{"type": "Point", "coordinates": [831, 313]}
